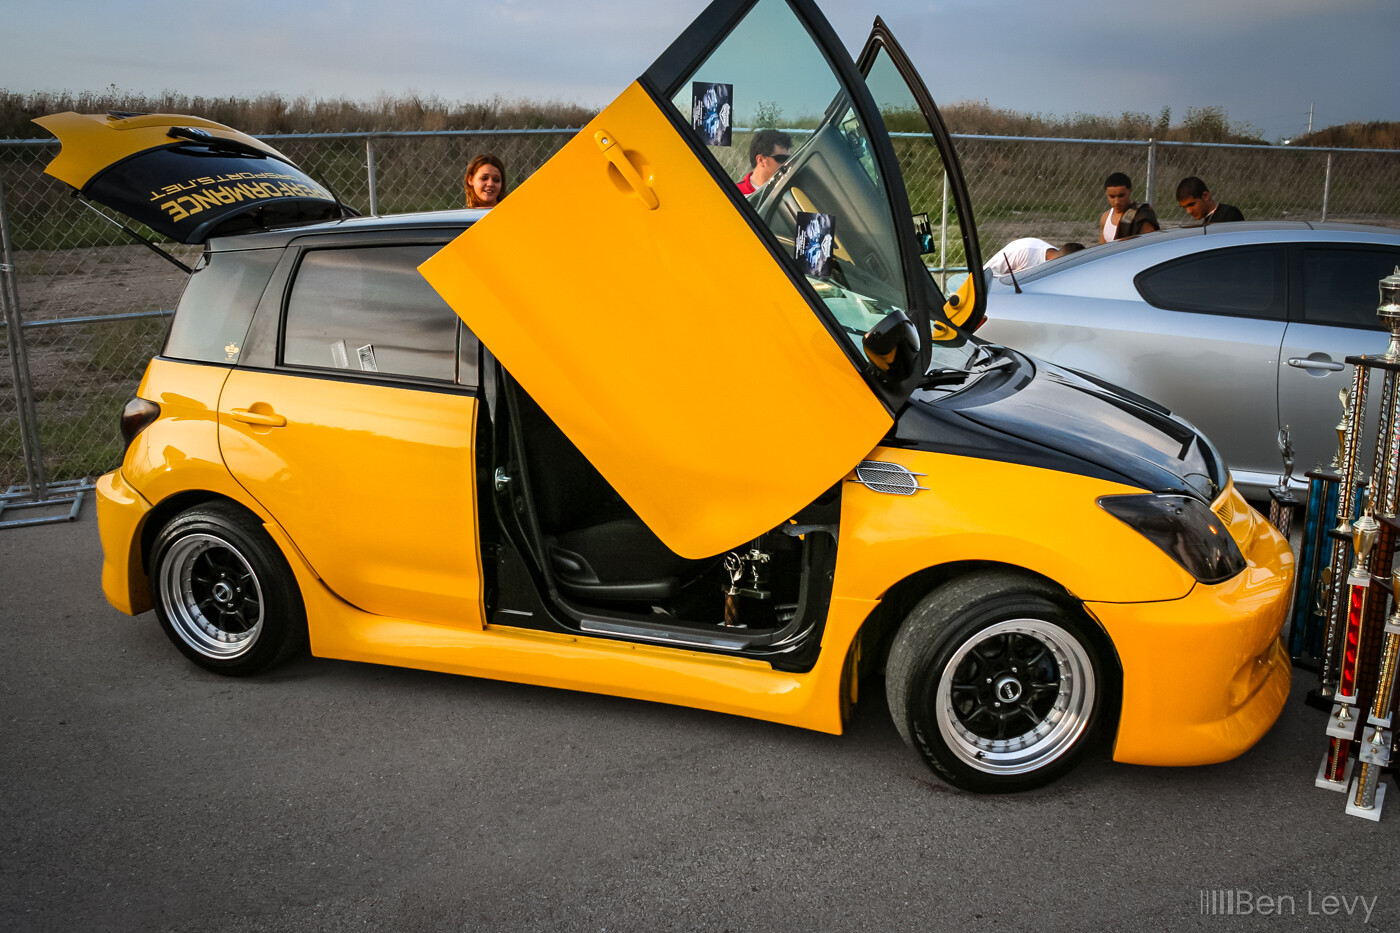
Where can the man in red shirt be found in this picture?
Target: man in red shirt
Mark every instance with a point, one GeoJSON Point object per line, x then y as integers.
{"type": "Point", "coordinates": [768, 150]}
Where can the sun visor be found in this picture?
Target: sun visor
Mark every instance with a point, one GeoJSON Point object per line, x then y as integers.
{"type": "Point", "coordinates": [182, 176]}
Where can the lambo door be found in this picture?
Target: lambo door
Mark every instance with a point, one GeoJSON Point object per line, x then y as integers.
{"type": "Point", "coordinates": [704, 350]}
{"type": "Point", "coordinates": [945, 232]}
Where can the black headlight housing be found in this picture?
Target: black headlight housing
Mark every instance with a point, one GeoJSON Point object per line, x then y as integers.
{"type": "Point", "coordinates": [1183, 527]}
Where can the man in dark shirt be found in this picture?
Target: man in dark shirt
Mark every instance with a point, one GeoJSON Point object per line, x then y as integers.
{"type": "Point", "coordinates": [1195, 199]}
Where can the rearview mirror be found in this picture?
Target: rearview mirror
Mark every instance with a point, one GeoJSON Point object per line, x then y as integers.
{"type": "Point", "coordinates": [892, 347]}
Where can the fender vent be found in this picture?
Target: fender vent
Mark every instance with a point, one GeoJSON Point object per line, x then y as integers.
{"type": "Point", "coordinates": [891, 478]}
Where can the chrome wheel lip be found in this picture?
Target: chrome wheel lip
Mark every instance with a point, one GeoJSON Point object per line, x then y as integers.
{"type": "Point", "coordinates": [190, 613]}
{"type": "Point", "coordinates": [1054, 735]}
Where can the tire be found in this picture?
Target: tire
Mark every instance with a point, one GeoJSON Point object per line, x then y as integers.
{"type": "Point", "coordinates": [958, 689]}
{"type": "Point", "coordinates": [224, 593]}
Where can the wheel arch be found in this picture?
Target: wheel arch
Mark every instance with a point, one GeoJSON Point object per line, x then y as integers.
{"type": "Point", "coordinates": [162, 512]}
{"type": "Point", "coordinates": [879, 628]}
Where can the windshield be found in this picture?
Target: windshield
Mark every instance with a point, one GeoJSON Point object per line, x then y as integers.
{"type": "Point", "coordinates": [775, 114]}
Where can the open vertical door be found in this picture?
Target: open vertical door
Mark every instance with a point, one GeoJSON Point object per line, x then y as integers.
{"type": "Point", "coordinates": [937, 191]}
{"type": "Point", "coordinates": [702, 349]}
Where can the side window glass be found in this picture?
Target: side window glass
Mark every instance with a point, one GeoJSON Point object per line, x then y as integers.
{"type": "Point", "coordinates": [767, 91]}
{"type": "Point", "coordinates": [1244, 282]}
{"type": "Point", "coordinates": [368, 310]}
{"type": "Point", "coordinates": [1340, 283]}
{"type": "Point", "coordinates": [217, 306]}
{"type": "Point", "coordinates": [937, 226]}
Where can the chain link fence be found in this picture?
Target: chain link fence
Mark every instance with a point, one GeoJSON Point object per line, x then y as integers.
{"type": "Point", "coordinates": [84, 308]}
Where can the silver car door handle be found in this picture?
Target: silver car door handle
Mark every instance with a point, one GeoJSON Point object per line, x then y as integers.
{"type": "Point", "coordinates": [1316, 364]}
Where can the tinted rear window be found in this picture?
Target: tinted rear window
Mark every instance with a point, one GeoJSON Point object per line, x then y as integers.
{"type": "Point", "coordinates": [1245, 282]}
{"type": "Point", "coordinates": [217, 306]}
{"type": "Point", "coordinates": [368, 310]}
{"type": "Point", "coordinates": [1341, 283]}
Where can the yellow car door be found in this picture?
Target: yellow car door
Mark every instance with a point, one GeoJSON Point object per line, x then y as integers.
{"type": "Point", "coordinates": [705, 350]}
{"type": "Point", "coordinates": [360, 442]}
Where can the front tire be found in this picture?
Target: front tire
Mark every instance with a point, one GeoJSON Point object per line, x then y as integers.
{"type": "Point", "coordinates": [998, 681]}
{"type": "Point", "coordinates": [224, 593]}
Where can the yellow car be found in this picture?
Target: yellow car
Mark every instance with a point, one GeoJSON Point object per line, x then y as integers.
{"type": "Point", "coordinates": [637, 433]}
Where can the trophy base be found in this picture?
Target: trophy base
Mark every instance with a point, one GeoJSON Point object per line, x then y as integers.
{"type": "Point", "coordinates": [1338, 786]}
{"type": "Point", "coordinates": [1371, 813]}
{"type": "Point", "coordinates": [1343, 728]}
{"type": "Point", "coordinates": [1318, 700]}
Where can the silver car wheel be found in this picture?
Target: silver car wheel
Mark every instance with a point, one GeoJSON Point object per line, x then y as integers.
{"type": "Point", "coordinates": [211, 596]}
{"type": "Point", "coordinates": [1015, 696]}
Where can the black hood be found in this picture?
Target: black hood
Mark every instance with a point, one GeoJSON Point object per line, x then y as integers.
{"type": "Point", "coordinates": [1029, 411]}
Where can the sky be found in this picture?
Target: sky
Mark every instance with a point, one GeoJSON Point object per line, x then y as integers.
{"type": "Point", "coordinates": [1264, 61]}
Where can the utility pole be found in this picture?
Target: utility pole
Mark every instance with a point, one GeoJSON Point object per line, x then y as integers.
{"type": "Point", "coordinates": [1310, 108]}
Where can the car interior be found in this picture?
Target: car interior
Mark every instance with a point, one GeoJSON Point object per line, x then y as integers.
{"type": "Point", "coordinates": [602, 570]}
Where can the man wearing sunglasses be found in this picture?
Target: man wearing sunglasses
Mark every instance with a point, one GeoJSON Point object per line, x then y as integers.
{"type": "Point", "coordinates": [768, 150]}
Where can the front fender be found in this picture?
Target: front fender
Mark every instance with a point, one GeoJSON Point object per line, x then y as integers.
{"type": "Point", "coordinates": [970, 509]}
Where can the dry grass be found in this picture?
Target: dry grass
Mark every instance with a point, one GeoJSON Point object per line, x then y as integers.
{"type": "Point", "coordinates": [272, 113]}
{"type": "Point", "coordinates": [1374, 135]}
{"type": "Point", "coordinates": [1201, 124]}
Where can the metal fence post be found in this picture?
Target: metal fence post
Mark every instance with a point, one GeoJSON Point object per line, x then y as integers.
{"type": "Point", "coordinates": [943, 237]}
{"type": "Point", "coordinates": [1326, 187]}
{"type": "Point", "coordinates": [369, 168]}
{"type": "Point", "coordinates": [19, 364]}
{"type": "Point", "coordinates": [1151, 168]}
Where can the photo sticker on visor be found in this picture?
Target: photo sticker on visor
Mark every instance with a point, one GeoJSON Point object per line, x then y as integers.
{"type": "Point", "coordinates": [814, 239]}
{"type": "Point", "coordinates": [711, 112]}
{"type": "Point", "coordinates": [923, 233]}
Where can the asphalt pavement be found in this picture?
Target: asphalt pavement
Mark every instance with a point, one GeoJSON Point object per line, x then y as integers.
{"type": "Point", "coordinates": [140, 793]}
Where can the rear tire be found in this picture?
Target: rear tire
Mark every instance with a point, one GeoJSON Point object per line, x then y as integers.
{"type": "Point", "coordinates": [998, 682]}
{"type": "Point", "coordinates": [224, 593]}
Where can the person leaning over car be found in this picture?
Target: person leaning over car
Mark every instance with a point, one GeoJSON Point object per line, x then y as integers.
{"type": "Point", "coordinates": [1026, 252]}
{"type": "Point", "coordinates": [1124, 217]}
{"type": "Point", "coordinates": [1194, 198]}
{"type": "Point", "coordinates": [768, 150]}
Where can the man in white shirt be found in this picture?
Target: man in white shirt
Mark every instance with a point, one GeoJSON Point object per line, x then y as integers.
{"type": "Point", "coordinates": [1028, 251]}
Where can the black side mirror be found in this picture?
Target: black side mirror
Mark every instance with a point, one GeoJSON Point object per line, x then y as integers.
{"type": "Point", "coordinates": [892, 347]}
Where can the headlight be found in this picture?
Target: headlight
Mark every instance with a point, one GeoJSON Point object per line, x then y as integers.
{"type": "Point", "coordinates": [1185, 529]}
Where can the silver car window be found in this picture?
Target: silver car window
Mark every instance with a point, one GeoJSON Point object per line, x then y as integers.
{"type": "Point", "coordinates": [1244, 282]}
{"type": "Point", "coordinates": [1340, 283]}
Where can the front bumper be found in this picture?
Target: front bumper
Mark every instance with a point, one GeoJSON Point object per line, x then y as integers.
{"type": "Point", "coordinates": [120, 513]}
{"type": "Point", "coordinates": [1205, 676]}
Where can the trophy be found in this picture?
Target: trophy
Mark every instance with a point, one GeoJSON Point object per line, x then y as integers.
{"type": "Point", "coordinates": [1282, 502]}
{"type": "Point", "coordinates": [1348, 489]}
{"type": "Point", "coordinates": [1389, 311]}
{"type": "Point", "coordinates": [1335, 769]}
{"type": "Point", "coordinates": [1366, 792]}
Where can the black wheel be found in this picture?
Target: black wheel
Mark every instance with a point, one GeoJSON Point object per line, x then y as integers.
{"type": "Point", "coordinates": [223, 591]}
{"type": "Point", "coordinates": [998, 682]}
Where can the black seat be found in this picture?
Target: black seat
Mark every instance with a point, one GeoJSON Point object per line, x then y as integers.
{"type": "Point", "coordinates": [596, 546]}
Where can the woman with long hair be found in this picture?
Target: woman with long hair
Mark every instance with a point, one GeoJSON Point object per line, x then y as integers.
{"type": "Point", "coordinates": [485, 181]}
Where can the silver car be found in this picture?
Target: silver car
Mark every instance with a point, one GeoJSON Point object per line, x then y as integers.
{"type": "Point", "coordinates": [1240, 328]}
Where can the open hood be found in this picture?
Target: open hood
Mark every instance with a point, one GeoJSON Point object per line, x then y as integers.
{"type": "Point", "coordinates": [184, 177]}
